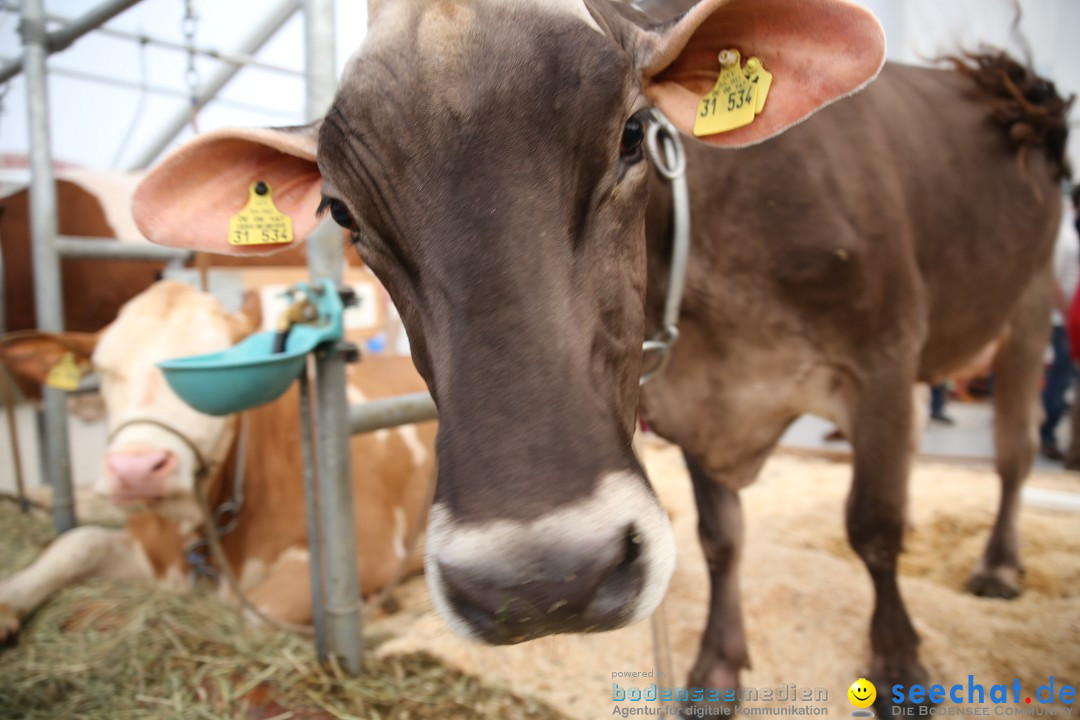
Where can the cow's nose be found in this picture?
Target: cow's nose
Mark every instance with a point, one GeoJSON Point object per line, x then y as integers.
{"type": "Point", "coordinates": [138, 474]}
{"type": "Point", "coordinates": [558, 589]}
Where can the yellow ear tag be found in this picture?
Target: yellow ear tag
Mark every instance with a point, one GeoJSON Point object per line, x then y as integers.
{"type": "Point", "coordinates": [737, 98]}
{"type": "Point", "coordinates": [64, 375]}
{"type": "Point", "coordinates": [757, 74]}
{"type": "Point", "coordinates": [260, 222]}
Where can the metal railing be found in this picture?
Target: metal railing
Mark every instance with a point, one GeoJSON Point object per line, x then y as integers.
{"type": "Point", "coordinates": [331, 523]}
{"type": "Point", "coordinates": [84, 248]}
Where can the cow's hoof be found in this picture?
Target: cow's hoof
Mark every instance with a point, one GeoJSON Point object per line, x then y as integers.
{"type": "Point", "coordinates": [9, 623]}
{"type": "Point", "coordinates": [993, 585]}
{"type": "Point", "coordinates": [719, 679]}
{"type": "Point", "coordinates": [887, 672]}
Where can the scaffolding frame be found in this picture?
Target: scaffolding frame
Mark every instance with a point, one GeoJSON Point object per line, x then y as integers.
{"type": "Point", "coordinates": [327, 476]}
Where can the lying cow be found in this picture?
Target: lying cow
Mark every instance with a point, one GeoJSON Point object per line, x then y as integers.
{"type": "Point", "coordinates": [157, 442]}
{"type": "Point", "coordinates": [490, 159]}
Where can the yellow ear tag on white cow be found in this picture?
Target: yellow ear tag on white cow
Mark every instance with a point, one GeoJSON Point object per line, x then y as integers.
{"type": "Point", "coordinates": [736, 99]}
{"type": "Point", "coordinates": [260, 222]}
{"type": "Point", "coordinates": [64, 375]}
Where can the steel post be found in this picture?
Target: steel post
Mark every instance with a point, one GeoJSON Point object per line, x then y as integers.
{"type": "Point", "coordinates": [251, 45]}
{"type": "Point", "coordinates": [47, 289]}
{"type": "Point", "coordinates": [335, 474]}
{"type": "Point", "coordinates": [311, 515]}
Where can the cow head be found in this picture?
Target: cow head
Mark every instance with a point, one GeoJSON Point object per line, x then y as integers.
{"type": "Point", "coordinates": [487, 157]}
{"type": "Point", "coordinates": [156, 441]}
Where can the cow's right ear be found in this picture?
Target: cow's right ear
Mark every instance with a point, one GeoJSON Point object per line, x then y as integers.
{"type": "Point", "coordinates": [249, 318]}
{"type": "Point", "coordinates": [30, 355]}
{"type": "Point", "coordinates": [188, 199]}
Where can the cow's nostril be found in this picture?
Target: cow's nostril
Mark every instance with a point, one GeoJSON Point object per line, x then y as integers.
{"type": "Point", "coordinates": [632, 540]}
{"type": "Point", "coordinates": [160, 464]}
{"type": "Point", "coordinates": [624, 580]}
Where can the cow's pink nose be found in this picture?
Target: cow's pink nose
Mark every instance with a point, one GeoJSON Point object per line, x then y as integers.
{"type": "Point", "coordinates": [138, 474]}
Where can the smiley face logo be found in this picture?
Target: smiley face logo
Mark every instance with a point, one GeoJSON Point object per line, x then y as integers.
{"type": "Point", "coordinates": [862, 693]}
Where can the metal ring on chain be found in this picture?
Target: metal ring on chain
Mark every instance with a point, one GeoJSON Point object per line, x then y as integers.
{"type": "Point", "coordinates": [669, 167]}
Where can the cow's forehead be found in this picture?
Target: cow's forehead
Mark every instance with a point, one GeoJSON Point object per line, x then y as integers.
{"type": "Point", "coordinates": [167, 318]}
{"type": "Point", "coordinates": [402, 12]}
{"type": "Point", "coordinates": [438, 29]}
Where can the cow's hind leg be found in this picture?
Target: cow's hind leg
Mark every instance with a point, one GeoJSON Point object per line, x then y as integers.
{"type": "Point", "coordinates": [723, 651]}
{"type": "Point", "coordinates": [1017, 374]}
{"type": "Point", "coordinates": [881, 431]}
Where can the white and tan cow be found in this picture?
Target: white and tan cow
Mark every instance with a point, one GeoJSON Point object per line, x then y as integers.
{"type": "Point", "coordinates": [157, 443]}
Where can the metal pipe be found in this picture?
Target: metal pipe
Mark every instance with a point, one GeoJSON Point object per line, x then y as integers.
{"type": "Point", "coordinates": [336, 510]}
{"type": "Point", "coordinates": [225, 56]}
{"type": "Point", "coordinates": [311, 514]}
{"type": "Point", "coordinates": [63, 38]}
{"type": "Point", "coordinates": [168, 92]}
{"type": "Point", "coordinates": [325, 260]}
{"type": "Point", "coordinates": [71, 246]}
{"type": "Point", "coordinates": [391, 412]}
{"type": "Point", "coordinates": [47, 289]}
{"type": "Point", "coordinates": [251, 45]}
{"type": "Point", "coordinates": [320, 57]}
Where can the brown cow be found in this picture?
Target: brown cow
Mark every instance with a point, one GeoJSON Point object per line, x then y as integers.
{"type": "Point", "coordinates": [488, 157]}
{"type": "Point", "coordinates": [155, 447]}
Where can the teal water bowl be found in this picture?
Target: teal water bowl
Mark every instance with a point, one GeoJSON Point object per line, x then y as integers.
{"type": "Point", "coordinates": [250, 374]}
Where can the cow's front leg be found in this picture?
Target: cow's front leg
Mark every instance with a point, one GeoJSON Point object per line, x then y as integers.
{"type": "Point", "coordinates": [723, 650]}
{"type": "Point", "coordinates": [76, 555]}
{"type": "Point", "coordinates": [881, 428]}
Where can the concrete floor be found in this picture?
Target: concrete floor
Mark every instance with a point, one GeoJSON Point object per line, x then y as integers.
{"type": "Point", "coordinates": [970, 440]}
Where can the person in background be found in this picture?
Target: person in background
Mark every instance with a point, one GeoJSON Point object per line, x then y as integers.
{"type": "Point", "coordinates": [1072, 327]}
{"type": "Point", "coordinates": [939, 395]}
{"type": "Point", "coordinates": [1061, 373]}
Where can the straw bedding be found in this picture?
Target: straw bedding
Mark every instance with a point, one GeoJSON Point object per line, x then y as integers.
{"type": "Point", "coordinates": [106, 650]}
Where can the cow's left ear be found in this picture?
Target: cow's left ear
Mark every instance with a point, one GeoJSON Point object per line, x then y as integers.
{"type": "Point", "coordinates": [30, 355]}
{"type": "Point", "coordinates": [817, 51]}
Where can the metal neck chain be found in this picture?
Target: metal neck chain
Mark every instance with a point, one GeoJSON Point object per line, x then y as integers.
{"type": "Point", "coordinates": [671, 164]}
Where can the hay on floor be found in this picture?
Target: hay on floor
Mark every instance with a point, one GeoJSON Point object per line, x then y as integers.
{"type": "Point", "coordinates": [110, 650]}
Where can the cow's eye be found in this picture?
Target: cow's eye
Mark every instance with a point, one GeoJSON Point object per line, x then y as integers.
{"type": "Point", "coordinates": [632, 135]}
{"type": "Point", "coordinates": [338, 212]}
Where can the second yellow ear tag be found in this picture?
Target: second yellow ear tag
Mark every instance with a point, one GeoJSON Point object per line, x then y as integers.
{"type": "Point", "coordinates": [260, 222]}
{"type": "Point", "coordinates": [64, 375]}
{"type": "Point", "coordinates": [736, 99]}
{"type": "Point", "coordinates": [757, 74]}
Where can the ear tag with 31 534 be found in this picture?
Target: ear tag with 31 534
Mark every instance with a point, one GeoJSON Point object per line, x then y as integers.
{"type": "Point", "coordinates": [737, 98]}
{"type": "Point", "coordinates": [260, 222]}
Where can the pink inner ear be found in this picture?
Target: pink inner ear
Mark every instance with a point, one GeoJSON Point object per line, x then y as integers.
{"type": "Point", "coordinates": [817, 50]}
{"type": "Point", "coordinates": [188, 200]}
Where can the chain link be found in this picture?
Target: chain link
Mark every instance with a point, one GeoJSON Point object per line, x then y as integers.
{"type": "Point", "coordinates": [189, 26]}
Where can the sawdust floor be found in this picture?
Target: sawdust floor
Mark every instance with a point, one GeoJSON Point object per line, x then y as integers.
{"type": "Point", "coordinates": [807, 598]}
